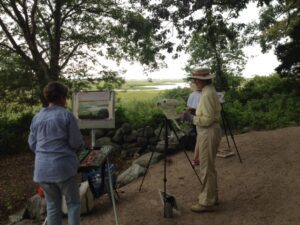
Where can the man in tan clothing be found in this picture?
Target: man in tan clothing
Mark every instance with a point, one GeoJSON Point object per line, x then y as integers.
{"type": "Point", "coordinates": [208, 137]}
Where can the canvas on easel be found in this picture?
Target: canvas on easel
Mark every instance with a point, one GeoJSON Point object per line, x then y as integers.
{"type": "Point", "coordinates": [94, 109]}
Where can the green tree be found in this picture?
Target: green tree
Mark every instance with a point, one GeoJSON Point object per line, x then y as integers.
{"type": "Point", "coordinates": [16, 86]}
{"type": "Point", "coordinates": [61, 39]}
{"type": "Point", "coordinates": [207, 33]}
{"type": "Point", "coordinates": [288, 55]}
{"type": "Point", "coordinates": [218, 45]}
{"type": "Point", "coordinates": [276, 22]}
{"type": "Point", "coordinates": [279, 29]}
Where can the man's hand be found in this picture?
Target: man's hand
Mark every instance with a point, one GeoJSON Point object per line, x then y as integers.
{"type": "Point", "coordinates": [187, 117]}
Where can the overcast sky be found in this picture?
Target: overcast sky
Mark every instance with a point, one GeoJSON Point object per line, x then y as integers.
{"type": "Point", "coordinates": [257, 64]}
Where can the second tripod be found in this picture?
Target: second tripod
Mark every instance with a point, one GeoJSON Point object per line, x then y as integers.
{"type": "Point", "coordinates": [167, 124]}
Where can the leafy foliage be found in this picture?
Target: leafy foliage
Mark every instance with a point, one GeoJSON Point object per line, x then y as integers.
{"type": "Point", "coordinates": [264, 103]}
{"type": "Point", "coordinates": [258, 103]}
{"type": "Point", "coordinates": [16, 84]}
{"type": "Point", "coordinates": [279, 27]}
{"type": "Point", "coordinates": [139, 113]}
{"type": "Point", "coordinates": [14, 133]}
{"type": "Point", "coordinates": [277, 21]}
{"type": "Point", "coordinates": [61, 40]}
{"type": "Point", "coordinates": [207, 31]}
{"type": "Point", "coordinates": [217, 46]}
{"type": "Point", "coordinates": [289, 56]}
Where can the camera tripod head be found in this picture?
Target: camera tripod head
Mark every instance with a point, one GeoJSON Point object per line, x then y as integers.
{"type": "Point", "coordinates": [168, 107]}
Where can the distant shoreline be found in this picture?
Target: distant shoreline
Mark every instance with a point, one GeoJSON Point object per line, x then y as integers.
{"type": "Point", "coordinates": [143, 85]}
{"type": "Point", "coordinates": [150, 84]}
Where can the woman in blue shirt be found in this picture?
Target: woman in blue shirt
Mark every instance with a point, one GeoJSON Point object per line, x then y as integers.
{"type": "Point", "coordinates": [54, 138]}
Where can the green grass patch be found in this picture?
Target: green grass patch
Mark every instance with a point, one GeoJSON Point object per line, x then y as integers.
{"type": "Point", "coordinates": [140, 84]}
{"type": "Point", "coordinates": [129, 96]}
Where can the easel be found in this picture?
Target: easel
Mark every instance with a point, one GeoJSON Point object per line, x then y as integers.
{"type": "Point", "coordinates": [168, 202]}
{"type": "Point", "coordinates": [106, 161]}
{"type": "Point", "coordinates": [226, 124]}
{"type": "Point", "coordinates": [101, 99]}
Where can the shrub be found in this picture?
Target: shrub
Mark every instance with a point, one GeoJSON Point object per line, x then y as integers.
{"type": "Point", "coordinates": [138, 113]}
{"type": "Point", "coordinates": [14, 133]}
{"type": "Point", "coordinates": [264, 103]}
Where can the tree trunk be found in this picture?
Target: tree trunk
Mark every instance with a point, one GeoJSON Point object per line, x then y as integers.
{"type": "Point", "coordinates": [43, 79]}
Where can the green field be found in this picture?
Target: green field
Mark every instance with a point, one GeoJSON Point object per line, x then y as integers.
{"type": "Point", "coordinates": [140, 84]}
{"type": "Point", "coordinates": [135, 90]}
{"type": "Point", "coordinates": [129, 96]}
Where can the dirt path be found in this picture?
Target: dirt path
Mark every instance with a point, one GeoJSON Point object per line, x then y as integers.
{"type": "Point", "coordinates": [264, 190]}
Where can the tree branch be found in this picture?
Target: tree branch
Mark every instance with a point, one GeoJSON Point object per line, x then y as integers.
{"type": "Point", "coordinates": [46, 25]}
{"type": "Point", "coordinates": [44, 50]}
{"type": "Point", "coordinates": [50, 6]}
{"type": "Point", "coordinates": [69, 56]}
{"type": "Point", "coordinates": [8, 47]}
{"type": "Point", "coordinates": [17, 48]}
{"type": "Point", "coordinates": [71, 11]}
{"type": "Point", "coordinates": [8, 11]}
{"type": "Point", "coordinates": [20, 20]}
{"type": "Point", "coordinates": [32, 18]}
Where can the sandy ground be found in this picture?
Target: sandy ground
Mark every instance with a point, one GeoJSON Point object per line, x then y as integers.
{"type": "Point", "coordinates": [263, 190]}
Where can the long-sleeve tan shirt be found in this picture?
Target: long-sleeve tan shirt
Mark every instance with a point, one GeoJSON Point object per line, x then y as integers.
{"type": "Point", "coordinates": [208, 111]}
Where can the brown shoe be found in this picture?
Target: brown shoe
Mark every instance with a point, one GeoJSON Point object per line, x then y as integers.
{"type": "Point", "coordinates": [201, 208]}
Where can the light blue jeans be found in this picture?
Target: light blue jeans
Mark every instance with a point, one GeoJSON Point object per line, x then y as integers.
{"type": "Point", "coordinates": [53, 193]}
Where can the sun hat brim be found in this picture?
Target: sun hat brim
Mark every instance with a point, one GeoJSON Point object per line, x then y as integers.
{"type": "Point", "coordinates": [201, 74]}
{"type": "Point", "coordinates": [208, 77]}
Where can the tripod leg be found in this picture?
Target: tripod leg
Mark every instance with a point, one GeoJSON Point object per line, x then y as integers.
{"type": "Point", "coordinates": [165, 166]}
{"type": "Point", "coordinates": [149, 162]}
{"type": "Point", "coordinates": [172, 128]}
{"type": "Point", "coordinates": [231, 135]}
{"type": "Point", "coordinates": [225, 127]}
{"type": "Point", "coordinates": [111, 190]}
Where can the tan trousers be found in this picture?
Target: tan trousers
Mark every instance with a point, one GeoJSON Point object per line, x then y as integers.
{"type": "Point", "coordinates": [209, 139]}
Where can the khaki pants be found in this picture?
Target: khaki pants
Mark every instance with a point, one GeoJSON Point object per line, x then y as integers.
{"type": "Point", "coordinates": [209, 139]}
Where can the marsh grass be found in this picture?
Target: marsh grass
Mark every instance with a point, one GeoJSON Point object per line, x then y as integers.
{"type": "Point", "coordinates": [141, 84]}
{"type": "Point", "coordinates": [125, 97]}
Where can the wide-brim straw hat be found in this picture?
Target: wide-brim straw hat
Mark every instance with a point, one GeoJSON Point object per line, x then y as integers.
{"type": "Point", "coordinates": [201, 74]}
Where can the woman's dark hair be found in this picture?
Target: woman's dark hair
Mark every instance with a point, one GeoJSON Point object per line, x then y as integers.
{"type": "Point", "coordinates": [54, 91]}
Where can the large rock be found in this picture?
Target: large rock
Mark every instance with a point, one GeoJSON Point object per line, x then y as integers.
{"type": "Point", "coordinates": [140, 132]}
{"type": "Point", "coordinates": [86, 199]}
{"type": "Point", "coordinates": [103, 141]}
{"type": "Point", "coordinates": [110, 133]}
{"type": "Point", "coordinates": [128, 146]}
{"type": "Point", "coordinates": [18, 216]}
{"type": "Point", "coordinates": [130, 138]}
{"type": "Point", "coordinates": [99, 133]}
{"type": "Point", "coordinates": [162, 132]}
{"type": "Point", "coordinates": [126, 128]}
{"type": "Point", "coordinates": [130, 149]}
{"type": "Point", "coordinates": [118, 136]}
{"type": "Point", "coordinates": [142, 141]}
{"type": "Point", "coordinates": [26, 222]}
{"type": "Point", "coordinates": [130, 174]}
{"type": "Point", "coordinates": [148, 132]}
{"type": "Point", "coordinates": [152, 140]}
{"type": "Point", "coordinates": [36, 207]}
{"type": "Point", "coordinates": [144, 159]}
{"type": "Point", "coordinates": [160, 147]}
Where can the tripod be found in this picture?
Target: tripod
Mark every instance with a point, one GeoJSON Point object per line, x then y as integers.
{"type": "Point", "coordinates": [226, 126]}
{"type": "Point", "coordinates": [168, 125]}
